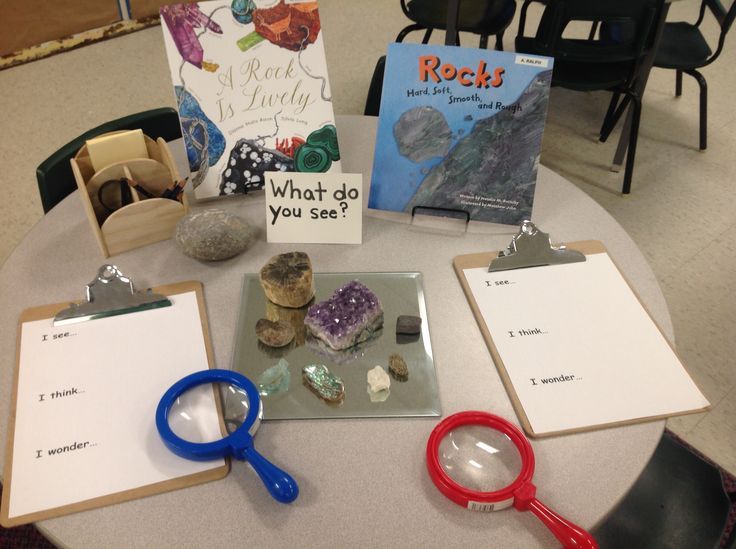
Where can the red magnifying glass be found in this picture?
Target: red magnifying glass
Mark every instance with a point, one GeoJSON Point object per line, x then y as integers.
{"type": "Point", "coordinates": [484, 463]}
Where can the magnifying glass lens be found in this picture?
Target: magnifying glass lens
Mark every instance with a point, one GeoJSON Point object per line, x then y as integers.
{"type": "Point", "coordinates": [193, 416]}
{"type": "Point", "coordinates": [191, 426]}
{"type": "Point", "coordinates": [479, 458]}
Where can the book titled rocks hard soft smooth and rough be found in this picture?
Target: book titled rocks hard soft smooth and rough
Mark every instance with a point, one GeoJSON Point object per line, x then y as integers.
{"type": "Point", "coordinates": [460, 128]}
{"type": "Point", "coordinates": [252, 91]}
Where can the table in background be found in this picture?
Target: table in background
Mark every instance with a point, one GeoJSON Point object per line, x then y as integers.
{"type": "Point", "coordinates": [363, 482]}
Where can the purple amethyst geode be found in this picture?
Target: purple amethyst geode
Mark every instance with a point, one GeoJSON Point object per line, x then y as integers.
{"type": "Point", "coordinates": [351, 315]}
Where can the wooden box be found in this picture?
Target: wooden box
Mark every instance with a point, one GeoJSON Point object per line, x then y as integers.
{"type": "Point", "coordinates": [145, 220]}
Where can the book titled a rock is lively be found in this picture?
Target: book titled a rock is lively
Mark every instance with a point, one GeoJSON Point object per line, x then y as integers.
{"type": "Point", "coordinates": [460, 128]}
{"type": "Point", "coordinates": [251, 87]}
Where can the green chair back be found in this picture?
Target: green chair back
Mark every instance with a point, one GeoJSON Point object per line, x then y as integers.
{"type": "Point", "coordinates": [54, 175]}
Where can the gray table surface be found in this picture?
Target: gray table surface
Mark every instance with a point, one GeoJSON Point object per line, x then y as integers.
{"type": "Point", "coordinates": [363, 482]}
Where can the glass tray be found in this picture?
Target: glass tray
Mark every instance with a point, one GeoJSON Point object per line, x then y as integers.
{"type": "Point", "coordinates": [400, 294]}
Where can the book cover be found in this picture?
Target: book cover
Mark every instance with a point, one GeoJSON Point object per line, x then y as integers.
{"type": "Point", "coordinates": [251, 87]}
{"type": "Point", "coordinates": [460, 128]}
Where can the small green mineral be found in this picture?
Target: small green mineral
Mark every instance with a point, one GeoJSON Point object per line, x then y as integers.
{"type": "Point", "coordinates": [275, 379]}
{"type": "Point", "coordinates": [326, 385]}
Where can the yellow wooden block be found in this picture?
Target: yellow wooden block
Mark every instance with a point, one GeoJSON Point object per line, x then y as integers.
{"type": "Point", "coordinates": [116, 147]}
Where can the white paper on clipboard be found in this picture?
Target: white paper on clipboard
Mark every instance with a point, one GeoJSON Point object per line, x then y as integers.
{"type": "Point", "coordinates": [86, 397]}
{"type": "Point", "coordinates": [578, 348]}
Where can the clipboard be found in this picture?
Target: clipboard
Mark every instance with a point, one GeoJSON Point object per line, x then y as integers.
{"type": "Point", "coordinates": [89, 458]}
{"type": "Point", "coordinates": [531, 251]}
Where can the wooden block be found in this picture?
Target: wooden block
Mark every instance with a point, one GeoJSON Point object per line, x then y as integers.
{"type": "Point", "coordinates": [117, 147]}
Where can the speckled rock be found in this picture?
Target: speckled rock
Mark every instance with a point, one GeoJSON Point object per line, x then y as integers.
{"type": "Point", "coordinates": [397, 367]}
{"type": "Point", "coordinates": [213, 235]}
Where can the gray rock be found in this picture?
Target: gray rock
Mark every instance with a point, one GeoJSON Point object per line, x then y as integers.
{"type": "Point", "coordinates": [422, 133]}
{"type": "Point", "coordinates": [408, 324]}
{"type": "Point", "coordinates": [213, 235]}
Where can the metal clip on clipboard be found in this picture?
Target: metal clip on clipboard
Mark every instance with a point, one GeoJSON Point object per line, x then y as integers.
{"type": "Point", "coordinates": [110, 293]}
{"type": "Point", "coordinates": [532, 248]}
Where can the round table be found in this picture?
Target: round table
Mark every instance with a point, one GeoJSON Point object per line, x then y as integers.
{"type": "Point", "coordinates": [363, 482]}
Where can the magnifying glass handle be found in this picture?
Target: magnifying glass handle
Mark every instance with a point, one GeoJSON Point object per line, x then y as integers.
{"type": "Point", "coordinates": [279, 483]}
{"type": "Point", "coordinates": [570, 535]}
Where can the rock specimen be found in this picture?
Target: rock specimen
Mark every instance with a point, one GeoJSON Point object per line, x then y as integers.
{"type": "Point", "coordinates": [352, 314]}
{"type": "Point", "coordinates": [397, 367]}
{"type": "Point", "coordinates": [378, 379]}
{"type": "Point", "coordinates": [275, 379]}
{"type": "Point", "coordinates": [213, 235]}
{"type": "Point", "coordinates": [203, 140]}
{"type": "Point", "coordinates": [408, 325]}
{"type": "Point", "coordinates": [342, 356]}
{"type": "Point", "coordinates": [295, 317]}
{"type": "Point", "coordinates": [247, 164]}
{"type": "Point", "coordinates": [422, 133]}
{"type": "Point", "coordinates": [242, 11]}
{"type": "Point", "coordinates": [319, 151]}
{"type": "Point", "coordinates": [274, 334]}
{"type": "Point", "coordinates": [326, 385]}
{"type": "Point", "coordinates": [290, 25]}
{"type": "Point", "coordinates": [287, 279]}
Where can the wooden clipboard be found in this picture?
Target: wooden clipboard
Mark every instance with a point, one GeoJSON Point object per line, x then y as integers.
{"type": "Point", "coordinates": [588, 247]}
{"type": "Point", "coordinates": [213, 473]}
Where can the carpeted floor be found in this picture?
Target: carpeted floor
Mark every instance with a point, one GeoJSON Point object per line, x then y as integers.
{"type": "Point", "coordinates": [22, 537]}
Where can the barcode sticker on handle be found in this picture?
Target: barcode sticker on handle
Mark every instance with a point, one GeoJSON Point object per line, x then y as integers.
{"type": "Point", "coordinates": [486, 507]}
{"type": "Point", "coordinates": [478, 506]}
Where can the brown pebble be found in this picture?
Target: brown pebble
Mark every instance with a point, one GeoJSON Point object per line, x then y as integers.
{"type": "Point", "coordinates": [274, 334]}
{"type": "Point", "coordinates": [397, 366]}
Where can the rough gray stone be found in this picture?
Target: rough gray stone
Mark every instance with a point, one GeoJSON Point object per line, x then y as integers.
{"type": "Point", "coordinates": [213, 235]}
{"type": "Point", "coordinates": [408, 324]}
{"type": "Point", "coordinates": [422, 133]}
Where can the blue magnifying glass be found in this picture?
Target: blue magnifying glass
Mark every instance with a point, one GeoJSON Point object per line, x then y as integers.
{"type": "Point", "coordinates": [178, 420]}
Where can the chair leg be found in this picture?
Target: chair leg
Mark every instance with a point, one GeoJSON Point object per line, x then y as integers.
{"type": "Point", "coordinates": [593, 30]}
{"type": "Point", "coordinates": [483, 41]}
{"type": "Point", "coordinates": [499, 41]}
{"type": "Point", "coordinates": [607, 126]}
{"type": "Point", "coordinates": [427, 36]}
{"type": "Point", "coordinates": [703, 107]}
{"type": "Point", "coordinates": [633, 137]}
{"type": "Point", "coordinates": [678, 83]}
{"type": "Point", "coordinates": [614, 118]}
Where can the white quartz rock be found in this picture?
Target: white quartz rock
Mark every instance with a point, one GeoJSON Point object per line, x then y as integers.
{"type": "Point", "coordinates": [378, 379]}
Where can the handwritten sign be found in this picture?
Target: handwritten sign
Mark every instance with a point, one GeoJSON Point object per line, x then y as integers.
{"type": "Point", "coordinates": [325, 208]}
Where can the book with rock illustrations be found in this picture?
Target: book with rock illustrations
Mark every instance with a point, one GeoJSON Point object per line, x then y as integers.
{"type": "Point", "coordinates": [251, 87]}
{"type": "Point", "coordinates": [460, 128]}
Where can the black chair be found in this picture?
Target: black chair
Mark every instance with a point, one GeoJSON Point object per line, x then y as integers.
{"type": "Point", "coordinates": [54, 175]}
{"type": "Point", "coordinates": [684, 48]}
{"type": "Point", "coordinates": [483, 17]}
{"type": "Point", "coordinates": [678, 501]}
{"type": "Point", "coordinates": [594, 64]}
